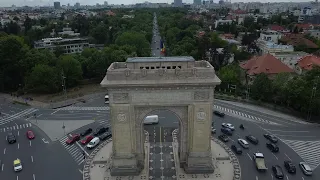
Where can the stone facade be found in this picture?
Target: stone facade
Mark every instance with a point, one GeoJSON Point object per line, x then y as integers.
{"type": "Point", "coordinates": [142, 85]}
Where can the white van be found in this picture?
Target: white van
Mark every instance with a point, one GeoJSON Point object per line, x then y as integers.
{"type": "Point", "coordinates": [93, 143]}
{"type": "Point", "coordinates": [153, 119]}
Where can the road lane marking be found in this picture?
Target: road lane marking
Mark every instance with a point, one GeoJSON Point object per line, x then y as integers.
{"type": "Point", "coordinates": [17, 177]}
{"type": "Point", "coordinates": [18, 133]}
{"type": "Point", "coordinates": [18, 146]}
{"type": "Point", "coordinates": [2, 167]}
{"type": "Point", "coordinates": [39, 115]}
{"type": "Point", "coordinates": [4, 151]}
{"type": "Point", "coordinates": [232, 140]}
{"type": "Point", "coordinates": [294, 136]}
{"type": "Point", "coordinates": [47, 142]}
{"type": "Point", "coordinates": [30, 143]}
{"type": "Point", "coordinates": [237, 135]}
{"type": "Point", "coordinates": [249, 156]}
{"type": "Point", "coordinates": [302, 178]}
{"type": "Point", "coordinates": [271, 177]}
{"type": "Point", "coordinates": [288, 156]}
{"type": "Point", "coordinates": [34, 177]}
{"type": "Point", "coordinates": [82, 149]}
{"type": "Point", "coordinates": [55, 111]}
{"type": "Point", "coordinates": [287, 177]}
{"type": "Point", "coordinates": [275, 156]}
{"type": "Point", "coordinates": [287, 131]}
{"type": "Point", "coordinates": [31, 158]}
{"type": "Point", "coordinates": [80, 171]}
{"type": "Point", "coordinates": [257, 178]}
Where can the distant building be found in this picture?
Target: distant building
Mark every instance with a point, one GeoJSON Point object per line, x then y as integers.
{"type": "Point", "coordinates": [267, 47]}
{"type": "Point", "coordinates": [56, 5]}
{"type": "Point", "coordinates": [70, 46]}
{"type": "Point", "coordinates": [77, 5]}
{"type": "Point", "coordinates": [177, 3]}
{"type": "Point", "coordinates": [269, 35]}
{"type": "Point", "coordinates": [290, 58]}
{"type": "Point", "coordinates": [197, 2]}
{"type": "Point", "coordinates": [307, 63]}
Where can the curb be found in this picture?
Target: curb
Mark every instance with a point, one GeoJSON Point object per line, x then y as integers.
{"type": "Point", "coordinates": [89, 159]}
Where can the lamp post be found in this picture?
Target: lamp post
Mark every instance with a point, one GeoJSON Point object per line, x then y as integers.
{"type": "Point", "coordinates": [64, 88]}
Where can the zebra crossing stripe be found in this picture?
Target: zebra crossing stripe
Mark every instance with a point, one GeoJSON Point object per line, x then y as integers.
{"type": "Point", "coordinates": [17, 115]}
{"type": "Point", "coordinates": [307, 150]}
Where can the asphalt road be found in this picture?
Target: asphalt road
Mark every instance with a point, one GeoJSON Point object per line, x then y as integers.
{"type": "Point", "coordinates": [161, 153]}
{"type": "Point", "coordinates": [286, 153]}
{"type": "Point", "coordinates": [155, 44]}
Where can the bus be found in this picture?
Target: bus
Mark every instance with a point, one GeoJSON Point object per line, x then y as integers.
{"type": "Point", "coordinates": [106, 99]}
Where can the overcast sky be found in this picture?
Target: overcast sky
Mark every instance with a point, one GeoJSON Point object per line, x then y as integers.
{"type": "Point", "coordinates": [7, 3]}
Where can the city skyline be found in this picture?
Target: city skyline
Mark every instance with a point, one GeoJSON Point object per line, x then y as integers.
{"type": "Point", "coordinates": [8, 3]}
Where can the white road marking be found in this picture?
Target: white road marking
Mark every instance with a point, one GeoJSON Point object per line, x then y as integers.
{"type": "Point", "coordinates": [302, 178]}
{"type": "Point", "coordinates": [47, 142]}
{"type": "Point", "coordinates": [82, 149]}
{"type": "Point", "coordinates": [30, 143]}
{"type": "Point", "coordinates": [275, 156]}
{"type": "Point", "coordinates": [249, 156]}
{"type": "Point", "coordinates": [39, 115]}
{"type": "Point", "coordinates": [55, 111]}
{"type": "Point", "coordinates": [288, 156]}
{"type": "Point", "coordinates": [271, 177]}
{"type": "Point", "coordinates": [293, 136]}
{"type": "Point", "coordinates": [237, 135]}
{"type": "Point", "coordinates": [287, 177]}
{"type": "Point", "coordinates": [287, 131]}
{"type": "Point", "coordinates": [17, 177]}
{"type": "Point", "coordinates": [4, 151]}
{"type": "Point", "coordinates": [80, 171]}
{"type": "Point", "coordinates": [257, 178]}
{"type": "Point", "coordinates": [34, 177]}
{"type": "Point", "coordinates": [31, 158]}
{"type": "Point", "coordinates": [18, 146]}
{"type": "Point", "coordinates": [2, 167]}
{"type": "Point", "coordinates": [232, 140]}
{"type": "Point", "coordinates": [6, 137]}
{"type": "Point", "coordinates": [18, 133]}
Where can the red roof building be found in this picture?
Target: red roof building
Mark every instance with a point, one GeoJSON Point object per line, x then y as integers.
{"type": "Point", "coordinates": [307, 63]}
{"type": "Point", "coordinates": [305, 26]}
{"type": "Point", "coordinates": [267, 64]}
{"type": "Point", "coordinates": [277, 28]}
{"type": "Point", "coordinates": [298, 39]}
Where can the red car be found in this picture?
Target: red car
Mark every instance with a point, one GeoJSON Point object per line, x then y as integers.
{"type": "Point", "coordinates": [73, 139]}
{"type": "Point", "coordinates": [30, 135]}
{"type": "Point", "coordinates": [86, 140]}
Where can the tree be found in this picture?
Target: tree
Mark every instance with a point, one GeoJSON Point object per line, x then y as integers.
{"type": "Point", "coordinates": [230, 74]}
{"type": "Point", "coordinates": [100, 33]}
{"type": "Point", "coordinates": [136, 40]}
{"type": "Point", "coordinates": [27, 24]}
{"type": "Point", "coordinates": [71, 69]}
{"type": "Point", "coordinates": [279, 85]}
{"type": "Point", "coordinates": [43, 79]}
{"type": "Point", "coordinates": [261, 89]}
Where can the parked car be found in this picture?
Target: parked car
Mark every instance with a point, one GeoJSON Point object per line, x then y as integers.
{"type": "Point", "coordinates": [223, 138]}
{"type": "Point", "coordinates": [252, 139]}
{"type": "Point", "coordinates": [272, 147]}
{"type": "Point", "coordinates": [271, 138]}
{"type": "Point", "coordinates": [291, 168]}
{"type": "Point", "coordinates": [213, 131]}
{"type": "Point", "coordinates": [236, 149]}
{"type": "Point", "coordinates": [101, 130]}
{"type": "Point", "coordinates": [105, 136]}
{"type": "Point", "coordinates": [11, 138]}
{"type": "Point", "coordinates": [73, 139]}
{"type": "Point", "coordinates": [218, 113]}
{"type": "Point", "coordinates": [243, 143]}
{"type": "Point", "coordinates": [86, 140]}
{"type": "Point", "coordinates": [93, 143]}
{"type": "Point", "coordinates": [305, 168]}
{"type": "Point", "coordinates": [277, 171]}
{"type": "Point", "coordinates": [30, 135]}
{"type": "Point", "coordinates": [226, 131]}
{"type": "Point", "coordinates": [228, 125]}
{"type": "Point", "coordinates": [86, 132]}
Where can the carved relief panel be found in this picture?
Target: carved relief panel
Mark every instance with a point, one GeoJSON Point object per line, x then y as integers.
{"type": "Point", "coordinates": [120, 98]}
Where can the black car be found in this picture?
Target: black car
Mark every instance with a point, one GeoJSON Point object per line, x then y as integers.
{"type": "Point", "coordinates": [101, 130]}
{"type": "Point", "coordinates": [271, 138]}
{"type": "Point", "coordinates": [277, 171]}
{"type": "Point", "coordinates": [86, 132]}
{"type": "Point", "coordinates": [105, 136]}
{"type": "Point", "coordinates": [272, 147]}
{"type": "Point", "coordinates": [220, 114]}
{"type": "Point", "coordinates": [223, 138]}
{"type": "Point", "coordinates": [252, 139]}
{"type": "Point", "coordinates": [236, 149]}
{"type": "Point", "coordinates": [291, 168]}
{"type": "Point", "coordinates": [11, 138]}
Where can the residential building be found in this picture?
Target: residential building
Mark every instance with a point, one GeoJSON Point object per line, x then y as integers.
{"type": "Point", "coordinates": [221, 21]}
{"type": "Point", "coordinates": [276, 28]}
{"type": "Point", "coordinates": [271, 47]}
{"type": "Point", "coordinates": [314, 33]}
{"type": "Point", "coordinates": [70, 46]}
{"type": "Point", "coordinates": [290, 58]}
{"type": "Point", "coordinates": [271, 36]}
{"type": "Point", "coordinates": [297, 40]}
{"type": "Point", "coordinates": [307, 63]}
{"type": "Point", "coordinates": [177, 3]}
{"type": "Point", "coordinates": [56, 5]}
{"type": "Point", "coordinates": [68, 31]}
{"type": "Point", "coordinates": [197, 2]}
{"type": "Point", "coordinates": [267, 64]}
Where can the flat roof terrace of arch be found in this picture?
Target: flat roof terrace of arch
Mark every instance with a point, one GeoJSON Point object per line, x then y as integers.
{"type": "Point", "coordinates": [161, 59]}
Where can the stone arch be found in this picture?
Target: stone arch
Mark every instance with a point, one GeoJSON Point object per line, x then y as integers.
{"type": "Point", "coordinates": [180, 111]}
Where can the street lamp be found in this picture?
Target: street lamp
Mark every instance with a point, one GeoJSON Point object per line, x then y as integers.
{"type": "Point", "coordinates": [64, 88]}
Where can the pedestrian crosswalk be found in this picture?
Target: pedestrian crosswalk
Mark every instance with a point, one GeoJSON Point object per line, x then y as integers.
{"type": "Point", "coordinates": [79, 108]}
{"type": "Point", "coordinates": [307, 150]}
{"type": "Point", "coordinates": [103, 122]}
{"type": "Point", "coordinates": [256, 119]}
{"type": "Point", "coordinates": [21, 114]}
{"type": "Point", "coordinates": [74, 150]}
{"type": "Point", "coordinates": [16, 127]}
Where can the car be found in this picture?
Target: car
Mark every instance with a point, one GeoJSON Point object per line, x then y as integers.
{"type": "Point", "coordinates": [73, 139]}
{"type": "Point", "coordinates": [236, 149]}
{"type": "Point", "coordinates": [291, 168]}
{"type": "Point", "coordinates": [228, 125]}
{"type": "Point", "coordinates": [17, 166]}
{"type": "Point", "coordinates": [86, 132]}
{"type": "Point", "coordinates": [243, 143]}
{"type": "Point", "coordinates": [218, 113]}
{"type": "Point", "coordinates": [305, 168]}
{"type": "Point", "coordinates": [252, 139]}
{"type": "Point", "coordinates": [226, 131]}
{"type": "Point", "coordinates": [223, 138]}
{"type": "Point", "coordinates": [11, 138]}
{"type": "Point", "coordinates": [213, 131]}
{"type": "Point", "coordinates": [277, 171]}
{"type": "Point", "coordinates": [86, 140]}
{"type": "Point", "coordinates": [273, 147]}
{"type": "Point", "coordinates": [30, 135]}
{"type": "Point", "coordinates": [271, 138]}
{"type": "Point", "coordinates": [100, 130]}
{"type": "Point", "coordinates": [105, 136]}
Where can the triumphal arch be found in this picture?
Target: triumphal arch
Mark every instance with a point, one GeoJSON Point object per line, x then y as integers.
{"type": "Point", "coordinates": [144, 84]}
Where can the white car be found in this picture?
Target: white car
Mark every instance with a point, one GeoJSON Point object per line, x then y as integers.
{"type": "Point", "coordinates": [228, 125]}
{"type": "Point", "coordinates": [213, 131]}
{"type": "Point", "coordinates": [305, 168]}
{"type": "Point", "coordinates": [243, 143]}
